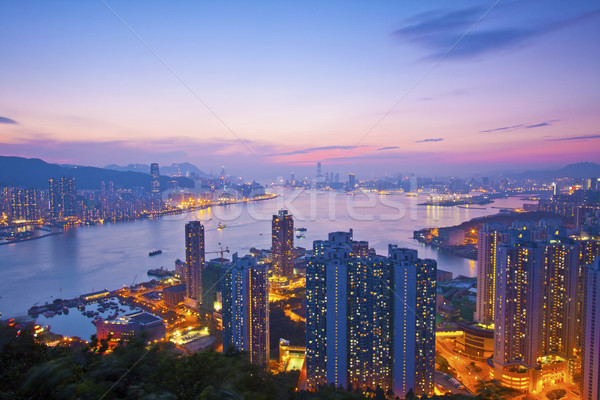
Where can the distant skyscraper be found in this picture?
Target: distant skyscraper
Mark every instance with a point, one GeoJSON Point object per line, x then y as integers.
{"type": "Point", "coordinates": [591, 334]}
{"type": "Point", "coordinates": [62, 197]}
{"type": "Point", "coordinates": [491, 236]}
{"type": "Point", "coordinates": [319, 171]}
{"type": "Point", "coordinates": [245, 298]}
{"type": "Point", "coordinates": [23, 204]}
{"type": "Point", "coordinates": [283, 243]}
{"type": "Point", "coordinates": [351, 181]}
{"type": "Point", "coordinates": [194, 257]}
{"type": "Point", "coordinates": [155, 180]}
{"type": "Point", "coordinates": [370, 319]}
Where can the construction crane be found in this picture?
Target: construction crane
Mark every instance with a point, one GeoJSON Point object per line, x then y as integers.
{"type": "Point", "coordinates": [221, 252]}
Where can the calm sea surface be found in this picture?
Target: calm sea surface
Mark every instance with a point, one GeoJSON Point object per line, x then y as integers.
{"type": "Point", "coordinates": [91, 258]}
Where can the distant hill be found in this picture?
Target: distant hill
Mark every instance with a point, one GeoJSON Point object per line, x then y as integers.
{"type": "Point", "coordinates": [34, 173]}
{"type": "Point", "coordinates": [176, 169]}
{"type": "Point", "coordinates": [577, 170]}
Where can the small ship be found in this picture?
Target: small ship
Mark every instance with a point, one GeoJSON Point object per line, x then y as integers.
{"type": "Point", "coordinates": [155, 253]}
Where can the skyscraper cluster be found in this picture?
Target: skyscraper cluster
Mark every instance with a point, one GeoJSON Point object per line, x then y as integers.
{"type": "Point", "coordinates": [23, 203]}
{"type": "Point", "coordinates": [283, 244]}
{"type": "Point", "coordinates": [370, 319]}
{"type": "Point", "coordinates": [63, 197]}
{"type": "Point", "coordinates": [245, 298]}
{"type": "Point", "coordinates": [532, 288]}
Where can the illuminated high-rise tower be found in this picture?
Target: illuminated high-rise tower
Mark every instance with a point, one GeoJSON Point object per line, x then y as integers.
{"type": "Point", "coordinates": [23, 204]}
{"type": "Point", "coordinates": [351, 181]}
{"type": "Point", "coordinates": [283, 243]}
{"type": "Point", "coordinates": [491, 236]}
{"type": "Point", "coordinates": [370, 319]}
{"type": "Point", "coordinates": [590, 381]}
{"type": "Point", "coordinates": [154, 182]}
{"type": "Point", "coordinates": [63, 197]}
{"type": "Point", "coordinates": [194, 258]}
{"type": "Point", "coordinates": [518, 313]}
{"type": "Point", "coordinates": [245, 297]}
{"type": "Point", "coordinates": [561, 264]}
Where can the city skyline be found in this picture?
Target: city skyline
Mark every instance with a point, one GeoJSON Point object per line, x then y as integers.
{"type": "Point", "coordinates": [264, 88]}
{"type": "Point", "coordinates": [300, 200]}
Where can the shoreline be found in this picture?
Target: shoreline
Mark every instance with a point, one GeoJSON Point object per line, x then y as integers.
{"type": "Point", "coordinates": [452, 239]}
{"type": "Point", "coordinates": [151, 216]}
{"type": "Point", "coordinates": [31, 238]}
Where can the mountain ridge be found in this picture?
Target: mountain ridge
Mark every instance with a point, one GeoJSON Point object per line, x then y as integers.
{"type": "Point", "coordinates": [34, 173]}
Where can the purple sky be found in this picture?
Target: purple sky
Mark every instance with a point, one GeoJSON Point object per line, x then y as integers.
{"type": "Point", "coordinates": [267, 89]}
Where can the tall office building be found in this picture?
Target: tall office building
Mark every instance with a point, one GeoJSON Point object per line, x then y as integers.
{"type": "Point", "coordinates": [590, 382]}
{"type": "Point", "coordinates": [245, 299]}
{"type": "Point", "coordinates": [491, 236]}
{"type": "Point", "coordinates": [154, 180]}
{"type": "Point", "coordinates": [194, 258]}
{"type": "Point", "coordinates": [283, 243]}
{"type": "Point", "coordinates": [62, 197]}
{"type": "Point", "coordinates": [370, 319]}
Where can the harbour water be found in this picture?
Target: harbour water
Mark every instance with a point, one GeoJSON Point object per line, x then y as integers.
{"type": "Point", "coordinates": [111, 255]}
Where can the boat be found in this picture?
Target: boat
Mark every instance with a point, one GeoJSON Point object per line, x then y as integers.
{"type": "Point", "coordinates": [155, 253]}
{"type": "Point", "coordinates": [301, 236]}
{"type": "Point", "coordinates": [301, 229]}
{"type": "Point", "coordinates": [221, 226]}
{"type": "Point", "coordinates": [160, 272]}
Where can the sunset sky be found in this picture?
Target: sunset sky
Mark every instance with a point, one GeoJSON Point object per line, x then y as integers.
{"type": "Point", "coordinates": [267, 88]}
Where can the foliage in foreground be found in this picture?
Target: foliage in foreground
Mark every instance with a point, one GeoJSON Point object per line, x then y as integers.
{"type": "Point", "coordinates": [35, 371]}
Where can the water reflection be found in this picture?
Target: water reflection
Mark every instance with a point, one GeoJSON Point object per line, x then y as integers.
{"type": "Point", "coordinates": [112, 255]}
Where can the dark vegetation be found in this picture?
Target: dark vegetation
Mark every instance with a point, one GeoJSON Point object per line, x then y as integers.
{"type": "Point", "coordinates": [29, 370]}
{"type": "Point", "coordinates": [281, 327]}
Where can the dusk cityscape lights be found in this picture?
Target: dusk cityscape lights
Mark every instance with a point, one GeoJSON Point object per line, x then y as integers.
{"type": "Point", "coordinates": [260, 200]}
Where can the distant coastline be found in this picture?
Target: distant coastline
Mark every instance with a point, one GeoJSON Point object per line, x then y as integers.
{"type": "Point", "coordinates": [153, 216]}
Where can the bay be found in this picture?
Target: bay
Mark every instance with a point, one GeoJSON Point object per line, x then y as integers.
{"type": "Point", "coordinates": [111, 255]}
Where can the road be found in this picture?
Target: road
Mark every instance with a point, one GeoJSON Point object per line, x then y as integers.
{"type": "Point", "coordinates": [462, 366]}
{"type": "Point", "coordinates": [447, 386]}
